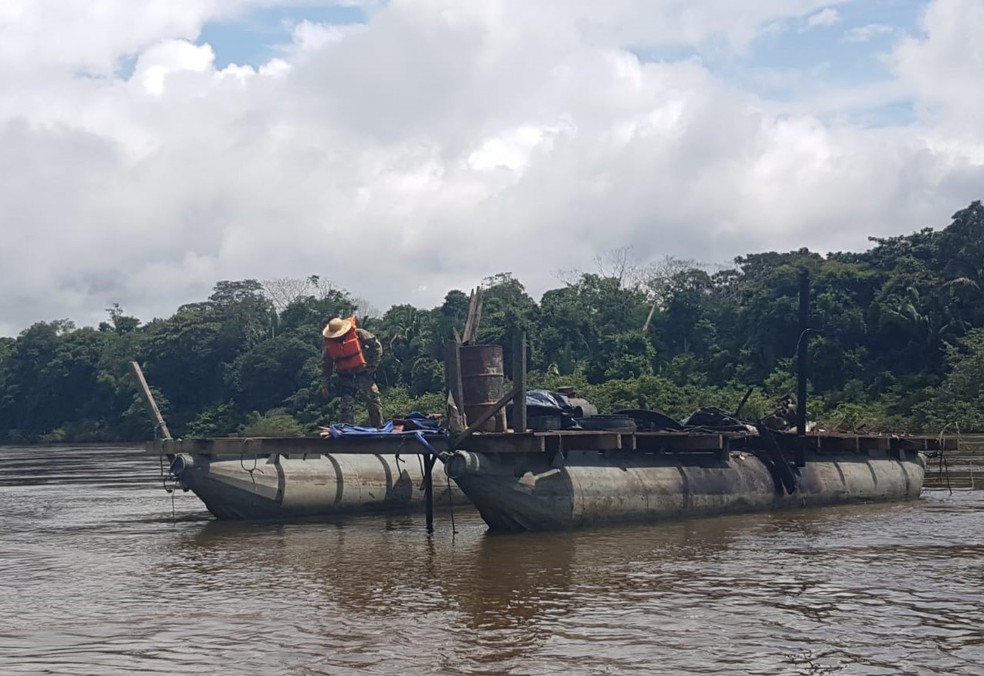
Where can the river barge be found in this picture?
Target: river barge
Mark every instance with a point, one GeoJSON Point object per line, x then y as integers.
{"type": "Point", "coordinates": [561, 479]}
{"type": "Point", "coordinates": [555, 478]}
{"type": "Point", "coordinates": [571, 480]}
{"type": "Point", "coordinates": [290, 478]}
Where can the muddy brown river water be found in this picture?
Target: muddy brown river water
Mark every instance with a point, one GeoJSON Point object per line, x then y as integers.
{"type": "Point", "coordinates": [99, 577]}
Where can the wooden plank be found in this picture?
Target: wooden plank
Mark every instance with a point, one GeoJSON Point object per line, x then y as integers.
{"type": "Point", "coordinates": [838, 444]}
{"type": "Point", "coordinates": [678, 442]}
{"type": "Point", "coordinates": [149, 400]}
{"type": "Point", "coordinates": [503, 443]}
{"type": "Point", "coordinates": [872, 443]}
{"type": "Point", "coordinates": [591, 441]}
{"type": "Point", "coordinates": [909, 444]}
{"type": "Point", "coordinates": [486, 415]}
{"type": "Point", "coordinates": [381, 445]}
{"type": "Point", "coordinates": [529, 442]}
{"type": "Point", "coordinates": [474, 317]}
{"type": "Point", "coordinates": [519, 378]}
{"type": "Point", "coordinates": [452, 371]}
{"type": "Point", "coordinates": [469, 318]}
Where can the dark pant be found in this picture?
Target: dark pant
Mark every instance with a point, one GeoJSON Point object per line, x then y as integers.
{"type": "Point", "coordinates": [361, 386]}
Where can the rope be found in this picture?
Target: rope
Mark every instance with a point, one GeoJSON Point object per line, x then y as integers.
{"type": "Point", "coordinates": [944, 465]}
{"type": "Point", "coordinates": [165, 475]}
{"type": "Point", "coordinates": [256, 464]}
{"type": "Point", "coordinates": [451, 505]}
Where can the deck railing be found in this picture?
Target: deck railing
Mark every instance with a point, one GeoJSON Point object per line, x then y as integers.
{"type": "Point", "coordinates": [962, 469]}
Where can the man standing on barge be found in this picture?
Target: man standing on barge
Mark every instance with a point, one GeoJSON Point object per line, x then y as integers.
{"type": "Point", "coordinates": [354, 354]}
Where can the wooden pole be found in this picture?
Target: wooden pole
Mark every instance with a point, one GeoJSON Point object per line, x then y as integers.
{"type": "Point", "coordinates": [148, 398]}
{"type": "Point", "coordinates": [429, 461]}
{"type": "Point", "coordinates": [452, 375]}
{"type": "Point", "coordinates": [519, 380]}
{"type": "Point", "coordinates": [801, 364]}
{"type": "Point", "coordinates": [741, 404]}
{"type": "Point", "coordinates": [496, 407]}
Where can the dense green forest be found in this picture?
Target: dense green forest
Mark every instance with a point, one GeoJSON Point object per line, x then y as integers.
{"type": "Point", "coordinates": [900, 345]}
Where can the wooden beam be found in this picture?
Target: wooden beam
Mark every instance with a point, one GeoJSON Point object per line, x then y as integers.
{"type": "Point", "coordinates": [677, 442]}
{"type": "Point", "coordinates": [148, 398]}
{"type": "Point", "coordinates": [519, 379]}
{"type": "Point", "coordinates": [871, 443]}
{"type": "Point", "coordinates": [469, 318]}
{"type": "Point", "coordinates": [512, 442]}
{"type": "Point", "coordinates": [486, 415]}
{"type": "Point", "coordinates": [474, 317]}
{"type": "Point", "coordinates": [429, 492]}
{"type": "Point", "coordinates": [452, 374]}
{"type": "Point", "coordinates": [292, 446]}
{"type": "Point", "coordinates": [591, 441]}
{"type": "Point", "coordinates": [503, 443]}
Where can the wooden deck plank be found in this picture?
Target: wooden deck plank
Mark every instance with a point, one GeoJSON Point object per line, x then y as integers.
{"type": "Point", "coordinates": [592, 441]}
{"type": "Point", "coordinates": [678, 442]}
{"type": "Point", "coordinates": [503, 443]}
{"type": "Point", "coordinates": [295, 446]}
{"type": "Point", "coordinates": [549, 442]}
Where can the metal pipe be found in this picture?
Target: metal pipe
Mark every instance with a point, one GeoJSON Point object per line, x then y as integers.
{"type": "Point", "coordinates": [181, 464]}
{"type": "Point", "coordinates": [801, 364]}
{"type": "Point", "coordinates": [519, 379]}
{"type": "Point", "coordinates": [429, 491]}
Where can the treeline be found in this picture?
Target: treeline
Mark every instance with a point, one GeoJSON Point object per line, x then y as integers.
{"type": "Point", "coordinates": [900, 345]}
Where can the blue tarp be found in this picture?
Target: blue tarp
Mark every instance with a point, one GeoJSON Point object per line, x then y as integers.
{"type": "Point", "coordinates": [545, 402]}
{"type": "Point", "coordinates": [430, 428]}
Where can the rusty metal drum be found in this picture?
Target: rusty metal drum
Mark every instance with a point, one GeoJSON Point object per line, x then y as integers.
{"type": "Point", "coordinates": [482, 383]}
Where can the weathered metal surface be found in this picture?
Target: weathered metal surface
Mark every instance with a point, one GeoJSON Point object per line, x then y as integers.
{"type": "Point", "coordinates": [299, 485]}
{"type": "Point", "coordinates": [557, 479]}
{"type": "Point", "coordinates": [582, 488]}
{"type": "Point", "coordinates": [482, 381]}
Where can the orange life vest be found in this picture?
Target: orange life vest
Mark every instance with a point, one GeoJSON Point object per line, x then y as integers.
{"type": "Point", "coordinates": [346, 351]}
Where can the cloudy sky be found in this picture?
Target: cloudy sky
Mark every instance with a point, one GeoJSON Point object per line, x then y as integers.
{"type": "Point", "coordinates": [400, 149]}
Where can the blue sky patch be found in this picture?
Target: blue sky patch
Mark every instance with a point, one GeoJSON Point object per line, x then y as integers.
{"type": "Point", "coordinates": [252, 39]}
{"type": "Point", "coordinates": [840, 47]}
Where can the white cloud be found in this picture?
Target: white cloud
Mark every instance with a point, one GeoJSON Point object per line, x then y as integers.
{"type": "Point", "coordinates": [867, 32]}
{"type": "Point", "coordinates": [168, 58]}
{"type": "Point", "coordinates": [825, 18]}
{"type": "Point", "coordinates": [943, 67]}
{"type": "Point", "coordinates": [440, 143]}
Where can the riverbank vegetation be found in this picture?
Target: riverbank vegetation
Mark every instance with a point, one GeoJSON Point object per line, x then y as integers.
{"type": "Point", "coordinates": [900, 345]}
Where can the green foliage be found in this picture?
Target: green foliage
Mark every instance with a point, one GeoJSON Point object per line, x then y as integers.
{"type": "Point", "coordinates": [858, 418]}
{"type": "Point", "coordinates": [267, 374]}
{"type": "Point", "coordinates": [958, 402]}
{"type": "Point", "coordinates": [965, 381]}
{"type": "Point", "coordinates": [900, 346]}
{"type": "Point", "coordinates": [398, 401]}
{"type": "Point", "coordinates": [216, 421]}
{"type": "Point", "coordinates": [275, 423]}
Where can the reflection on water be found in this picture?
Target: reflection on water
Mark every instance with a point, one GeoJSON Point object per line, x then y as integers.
{"type": "Point", "coordinates": [99, 579]}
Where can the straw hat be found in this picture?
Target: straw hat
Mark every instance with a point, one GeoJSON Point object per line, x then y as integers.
{"type": "Point", "coordinates": [337, 328]}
